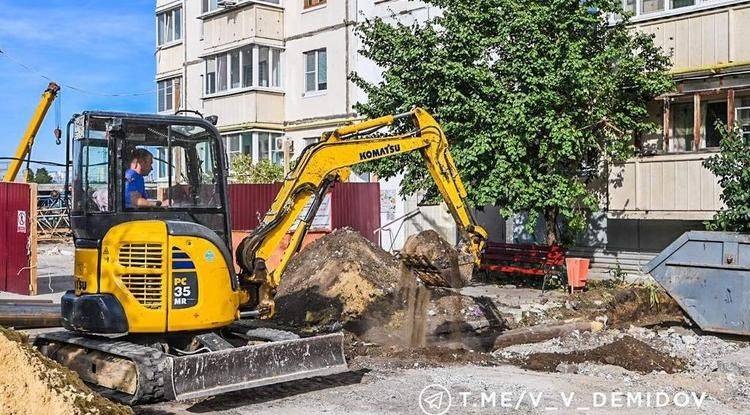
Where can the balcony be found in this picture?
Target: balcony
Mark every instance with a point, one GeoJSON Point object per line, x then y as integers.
{"type": "Point", "coordinates": [251, 23]}
{"type": "Point", "coordinates": [669, 186]}
{"type": "Point", "coordinates": [701, 35]}
{"type": "Point", "coordinates": [238, 110]}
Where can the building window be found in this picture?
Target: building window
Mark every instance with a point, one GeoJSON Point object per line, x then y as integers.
{"type": "Point", "coordinates": [270, 147]}
{"type": "Point", "coordinates": [210, 76]}
{"type": "Point", "coordinates": [169, 26]}
{"type": "Point", "coordinates": [241, 143]}
{"type": "Point", "coordinates": [247, 67]}
{"type": "Point", "coordinates": [221, 72]}
{"type": "Point", "coordinates": [316, 71]}
{"type": "Point", "coordinates": [235, 69]}
{"type": "Point", "coordinates": [313, 3]}
{"type": "Point", "coordinates": [168, 94]}
{"type": "Point", "coordinates": [210, 5]}
{"type": "Point", "coordinates": [742, 117]}
{"type": "Point", "coordinates": [676, 4]}
{"type": "Point", "coordinates": [263, 65]}
{"type": "Point", "coordinates": [682, 130]}
{"type": "Point", "coordinates": [713, 114]}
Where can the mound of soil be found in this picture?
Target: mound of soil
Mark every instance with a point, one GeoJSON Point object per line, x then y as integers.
{"type": "Point", "coordinates": [343, 279]}
{"type": "Point", "coordinates": [624, 305]}
{"type": "Point", "coordinates": [629, 353]}
{"type": "Point", "coordinates": [32, 384]}
{"type": "Point", "coordinates": [336, 278]}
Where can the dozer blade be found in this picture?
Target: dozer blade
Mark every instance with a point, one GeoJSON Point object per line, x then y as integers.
{"type": "Point", "coordinates": [146, 374]}
{"type": "Point", "coordinates": [252, 366]}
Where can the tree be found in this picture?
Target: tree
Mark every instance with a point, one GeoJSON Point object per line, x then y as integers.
{"type": "Point", "coordinates": [732, 166]}
{"type": "Point", "coordinates": [30, 176]}
{"type": "Point", "coordinates": [41, 176]}
{"type": "Point", "coordinates": [243, 170]}
{"type": "Point", "coordinates": [531, 95]}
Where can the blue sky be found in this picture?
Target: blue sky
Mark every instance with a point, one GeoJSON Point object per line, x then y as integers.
{"type": "Point", "coordinates": [103, 46]}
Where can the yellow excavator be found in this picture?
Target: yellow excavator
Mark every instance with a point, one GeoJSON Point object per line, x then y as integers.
{"type": "Point", "coordinates": [158, 310]}
{"type": "Point", "coordinates": [27, 141]}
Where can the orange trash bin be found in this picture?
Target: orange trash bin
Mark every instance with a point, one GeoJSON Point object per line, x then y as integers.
{"type": "Point", "coordinates": [578, 271]}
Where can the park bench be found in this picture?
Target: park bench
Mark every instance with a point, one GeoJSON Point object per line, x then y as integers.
{"type": "Point", "coordinates": [523, 259]}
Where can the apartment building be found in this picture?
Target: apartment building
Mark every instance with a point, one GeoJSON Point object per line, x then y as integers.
{"type": "Point", "coordinates": [665, 191]}
{"type": "Point", "coordinates": [275, 72]}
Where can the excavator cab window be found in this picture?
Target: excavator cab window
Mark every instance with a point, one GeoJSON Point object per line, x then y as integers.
{"type": "Point", "coordinates": [184, 167]}
{"type": "Point", "coordinates": [90, 169]}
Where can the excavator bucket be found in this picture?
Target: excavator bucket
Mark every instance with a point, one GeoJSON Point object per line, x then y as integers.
{"type": "Point", "coordinates": [133, 373]}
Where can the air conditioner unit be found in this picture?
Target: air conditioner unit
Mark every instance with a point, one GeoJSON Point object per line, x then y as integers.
{"type": "Point", "coordinates": [226, 3]}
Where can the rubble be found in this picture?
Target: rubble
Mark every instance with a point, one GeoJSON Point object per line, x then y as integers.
{"type": "Point", "coordinates": [32, 384]}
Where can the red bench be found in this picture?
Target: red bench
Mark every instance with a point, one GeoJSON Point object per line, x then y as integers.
{"type": "Point", "coordinates": [523, 259]}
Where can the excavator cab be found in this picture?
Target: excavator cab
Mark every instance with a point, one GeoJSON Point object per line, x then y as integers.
{"type": "Point", "coordinates": [187, 181]}
{"type": "Point", "coordinates": [162, 263]}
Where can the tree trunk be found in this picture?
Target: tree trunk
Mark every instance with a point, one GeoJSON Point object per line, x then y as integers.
{"type": "Point", "coordinates": [550, 225]}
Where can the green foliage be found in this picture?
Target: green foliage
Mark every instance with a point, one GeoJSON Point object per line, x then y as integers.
{"type": "Point", "coordinates": [618, 274]}
{"type": "Point", "coordinates": [732, 166]}
{"type": "Point", "coordinates": [243, 170]}
{"type": "Point", "coordinates": [527, 93]}
{"type": "Point", "coordinates": [41, 176]}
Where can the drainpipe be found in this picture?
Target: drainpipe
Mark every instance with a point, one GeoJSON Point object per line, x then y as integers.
{"type": "Point", "coordinates": [346, 62]}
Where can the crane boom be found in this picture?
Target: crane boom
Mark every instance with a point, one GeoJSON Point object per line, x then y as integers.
{"type": "Point", "coordinates": [329, 161]}
{"type": "Point", "coordinates": [27, 141]}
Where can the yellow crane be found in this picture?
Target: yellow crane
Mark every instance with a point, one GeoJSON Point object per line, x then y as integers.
{"type": "Point", "coordinates": [27, 141]}
{"type": "Point", "coordinates": [159, 275]}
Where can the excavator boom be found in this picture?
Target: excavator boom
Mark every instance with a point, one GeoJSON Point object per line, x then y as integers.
{"type": "Point", "coordinates": [329, 161]}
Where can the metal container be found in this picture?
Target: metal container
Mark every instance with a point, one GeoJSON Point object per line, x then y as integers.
{"type": "Point", "coordinates": [708, 274]}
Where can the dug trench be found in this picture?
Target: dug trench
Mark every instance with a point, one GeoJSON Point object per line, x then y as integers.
{"type": "Point", "coordinates": [392, 319]}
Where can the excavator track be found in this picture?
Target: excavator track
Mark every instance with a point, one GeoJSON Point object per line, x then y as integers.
{"type": "Point", "coordinates": [151, 375]}
{"type": "Point", "coordinates": [152, 365]}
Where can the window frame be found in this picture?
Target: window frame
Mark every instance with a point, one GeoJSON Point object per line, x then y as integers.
{"type": "Point", "coordinates": [169, 27]}
{"type": "Point", "coordinates": [173, 85]}
{"type": "Point", "coordinates": [309, 4]}
{"type": "Point", "coordinates": [251, 140]}
{"type": "Point", "coordinates": [273, 70]}
{"type": "Point", "coordinates": [315, 72]}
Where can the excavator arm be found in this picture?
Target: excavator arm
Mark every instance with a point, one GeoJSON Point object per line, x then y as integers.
{"type": "Point", "coordinates": [329, 161]}
{"type": "Point", "coordinates": [27, 141]}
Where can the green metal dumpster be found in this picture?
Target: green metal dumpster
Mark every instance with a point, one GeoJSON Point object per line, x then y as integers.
{"type": "Point", "coordinates": [708, 274]}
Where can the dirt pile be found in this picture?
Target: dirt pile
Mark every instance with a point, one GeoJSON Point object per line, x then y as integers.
{"type": "Point", "coordinates": [343, 280]}
{"type": "Point", "coordinates": [626, 352]}
{"type": "Point", "coordinates": [32, 384]}
{"type": "Point", "coordinates": [623, 305]}
{"type": "Point", "coordinates": [337, 278]}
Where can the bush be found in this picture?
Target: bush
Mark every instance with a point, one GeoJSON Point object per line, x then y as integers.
{"type": "Point", "coordinates": [732, 167]}
{"type": "Point", "coordinates": [243, 170]}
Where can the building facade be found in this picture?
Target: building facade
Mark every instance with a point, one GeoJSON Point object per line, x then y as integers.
{"type": "Point", "coordinates": [665, 191]}
{"type": "Point", "coordinates": [276, 73]}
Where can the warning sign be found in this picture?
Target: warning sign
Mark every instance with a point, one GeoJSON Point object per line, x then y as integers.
{"type": "Point", "coordinates": [21, 227]}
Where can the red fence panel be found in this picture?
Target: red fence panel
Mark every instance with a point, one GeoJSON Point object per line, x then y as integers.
{"type": "Point", "coordinates": [248, 201]}
{"type": "Point", "coordinates": [15, 230]}
{"type": "Point", "coordinates": [356, 205]}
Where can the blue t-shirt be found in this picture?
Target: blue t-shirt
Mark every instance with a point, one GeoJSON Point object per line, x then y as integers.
{"type": "Point", "coordinates": [134, 183]}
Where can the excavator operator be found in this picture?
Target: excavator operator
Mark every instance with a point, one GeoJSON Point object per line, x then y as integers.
{"type": "Point", "coordinates": [141, 165]}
